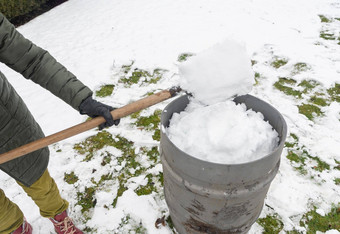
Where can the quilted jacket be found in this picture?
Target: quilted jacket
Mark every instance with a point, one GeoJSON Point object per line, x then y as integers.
{"type": "Point", "coordinates": [17, 125]}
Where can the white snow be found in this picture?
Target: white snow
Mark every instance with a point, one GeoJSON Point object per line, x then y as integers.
{"type": "Point", "coordinates": [93, 39]}
{"type": "Point", "coordinates": [218, 73]}
{"type": "Point", "coordinates": [224, 133]}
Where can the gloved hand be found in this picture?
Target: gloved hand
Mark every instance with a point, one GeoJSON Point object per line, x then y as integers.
{"type": "Point", "coordinates": [94, 109]}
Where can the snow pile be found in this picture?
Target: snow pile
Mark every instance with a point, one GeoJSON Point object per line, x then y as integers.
{"type": "Point", "coordinates": [222, 133]}
{"type": "Point", "coordinates": [218, 73]}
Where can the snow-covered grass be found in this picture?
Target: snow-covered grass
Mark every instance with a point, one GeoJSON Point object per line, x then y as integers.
{"type": "Point", "coordinates": [113, 178]}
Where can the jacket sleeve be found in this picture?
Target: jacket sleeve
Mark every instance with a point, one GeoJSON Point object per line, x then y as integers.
{"type": "Point", "coordinates": [38, 65]}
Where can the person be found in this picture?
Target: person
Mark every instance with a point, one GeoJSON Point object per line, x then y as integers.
{"type": "Point", "coordinates": [18, 127]}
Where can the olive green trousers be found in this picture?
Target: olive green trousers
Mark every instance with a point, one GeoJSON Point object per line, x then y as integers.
{"type": "Point", "coordinates": [44, 192]}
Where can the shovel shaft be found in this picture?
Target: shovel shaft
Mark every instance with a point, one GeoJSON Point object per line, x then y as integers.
{"type": "Point", "coordinates": [77, 129]}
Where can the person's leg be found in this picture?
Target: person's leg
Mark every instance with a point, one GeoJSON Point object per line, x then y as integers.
{"type": "Point", "coordinates": [44, 192]}
{"type": "Point", "coordinates": [11, 217]}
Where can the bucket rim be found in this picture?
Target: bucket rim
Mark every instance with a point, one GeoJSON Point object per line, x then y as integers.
{"type": "Point", "coordinates": [279, 147]}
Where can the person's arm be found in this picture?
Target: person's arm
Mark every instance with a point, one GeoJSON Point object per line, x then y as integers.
{"type": "Point", "coordinates": [38, 65]}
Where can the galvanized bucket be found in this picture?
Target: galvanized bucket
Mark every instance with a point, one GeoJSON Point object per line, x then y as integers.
{"type": "Point", "coordinates": [205, 197]}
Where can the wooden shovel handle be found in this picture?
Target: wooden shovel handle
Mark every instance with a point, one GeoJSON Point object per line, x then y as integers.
{"type": "Point", "coordinates": [72, 131]}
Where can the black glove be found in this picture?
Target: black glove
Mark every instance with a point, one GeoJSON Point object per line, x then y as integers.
{"type": "Point", "coordinates": [94, 109]}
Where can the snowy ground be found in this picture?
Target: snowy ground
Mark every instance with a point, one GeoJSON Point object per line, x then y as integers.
{"type": "Point", "coordinates": [295, 49]}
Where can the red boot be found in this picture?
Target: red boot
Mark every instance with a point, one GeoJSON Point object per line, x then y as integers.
{"type": "Point", "coordinates": [64, 224]}
{"type": "Point", "coordinates": [25, 228]}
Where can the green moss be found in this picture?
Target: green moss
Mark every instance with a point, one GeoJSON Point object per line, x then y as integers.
{"type": "Point", "coordinates": [278, 62]}
{"type": "Point", "coordinates": [184, 56]}
{"type": "Point", "coordinates": [70, 178]}
{"type": "Point", "coordinates": [58, 151]}
{"type": "Point", "coordinates": [86, 199]}
{"type": "Point", "coordinates": [327, 35]}
{"type": "Point", "coordinates": [324, 19]}
{"type": "Point", "coordinates": [271, 224]}
{"type": "Point", "coordinates": [282, 83]}
{"type": "Point", "coordinates": [309, 111]}
{"type": "Point", "coordinates": [337, 181]}
{"type": "Point", "coordinates": [334, 92]}
{"type": "Point", "coordinates": [105, 91]}
{"type": "Point", "coordinates": [314, 222]}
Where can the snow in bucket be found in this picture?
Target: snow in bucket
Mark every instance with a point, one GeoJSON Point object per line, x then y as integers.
{"type": "Point", "coordinates": [212, 127]}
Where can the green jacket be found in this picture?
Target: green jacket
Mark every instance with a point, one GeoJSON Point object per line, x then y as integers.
{"type": "Point", "coordinates": [17, 125]}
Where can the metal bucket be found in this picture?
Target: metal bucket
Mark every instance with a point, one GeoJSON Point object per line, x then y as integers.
{"type": "Point", "coordinates": [205, 197]}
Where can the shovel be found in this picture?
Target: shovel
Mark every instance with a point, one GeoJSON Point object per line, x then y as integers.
{"type": "Point", "coordinates": [95, 122]}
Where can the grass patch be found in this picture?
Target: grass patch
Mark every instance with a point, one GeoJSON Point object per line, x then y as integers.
{"type": "Point", "coordinates": [257, 78]}
{"type": "Point", "coordinates": [105, 91]}
{"type": "Point", "coordinates": [184, 56]}
{"type": "Point", "coordinates": [284, 85]}
{"type": "Point", "coordinates": [309, 110]}
{"type": "Point", "coordinates": [324, 19]}
{"type": "Point", "coordinates": [70, 178]}
{"type": "Point", "coordinates": [107, 158]}
{"type": "Point", "coordinates": [271, 224]}
{"type": "Point", "coordinates": [279, 62]}
{"type": "Point", "coordinates": [298, 156]}
{"type": "Point", "coordinates": [148, 188]}
{"type": "Point", "coordinates": [327, 36]}
{"type": "Point", "coordinates": [318, 101]}
{"type": "Point", "coordinates": [129, 225]}
{"type": "Point", "coordinates": [139, 76]}
{"type": "Point", "coordinates": [149, 123]}
{"type": "Point", "coordinates": [94, 143]}
{"type": "Point", "coordinates": [86, 199]}
{"type": "Point", "coordinates": [308, 85]}
{"type": "Point", "coordinates": [120, 191]}
{"type": "Point", "coordinates": [294, 157]}
{"type": "Point", "coordinates": [300, 67]}
{"type": "Point", "coordinates": [337, 181]}
{"type": "Point", "coordinates": [314, 222]}
{"type": "Point", "coordinates": [334, 92]}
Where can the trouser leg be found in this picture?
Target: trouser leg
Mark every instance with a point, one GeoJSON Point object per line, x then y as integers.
{"type": "Point", "coordinates": [11, 217]}
{"type": "Point", "coordinates": [45, 193]}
